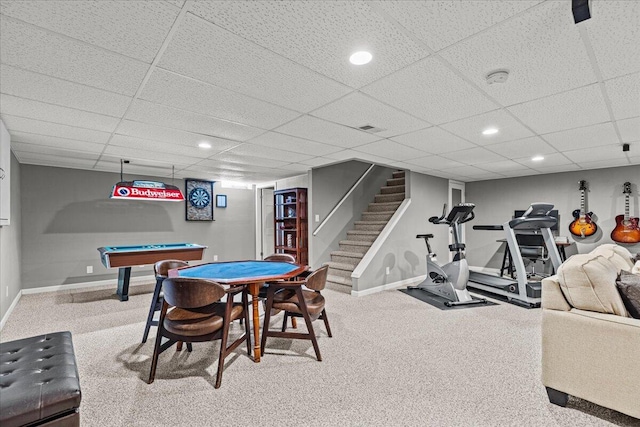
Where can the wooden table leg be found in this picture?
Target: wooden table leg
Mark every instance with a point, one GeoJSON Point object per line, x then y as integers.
{"type": "Point", "coordinates": [254, 289]}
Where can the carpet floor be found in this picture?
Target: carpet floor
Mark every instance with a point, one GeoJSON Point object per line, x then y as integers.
{"type": "Point", "coordinates": [393, 361]}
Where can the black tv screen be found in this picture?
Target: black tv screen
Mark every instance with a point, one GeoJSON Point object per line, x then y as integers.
{"type": "Point", "coordinates": [553, 213]}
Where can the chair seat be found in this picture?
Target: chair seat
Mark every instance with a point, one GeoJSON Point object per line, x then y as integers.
{"type": "Point", "coordinates": [288, 301]}
{"type": "Point", "coordinates": [199, 321]}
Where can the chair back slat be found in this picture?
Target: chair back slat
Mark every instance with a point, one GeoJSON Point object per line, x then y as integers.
{"type": "Point", "coordinates": [161, 268]}
{"type": "Point", "coordinates": [188, 292]}
{"type": "Point", "coordinates": [281, 257]}
{"type": "Point", "coordinates": [317, 280]}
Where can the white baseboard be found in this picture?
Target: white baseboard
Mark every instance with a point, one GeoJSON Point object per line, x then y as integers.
{"type": "Point", "coordinates": [388, 286]}
{"type": "Point", "coordinates": [10, 309]}
{"type": "Point", "coordinates": [134, 281]}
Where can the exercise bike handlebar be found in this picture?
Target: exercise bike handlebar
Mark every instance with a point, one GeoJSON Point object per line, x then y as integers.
{"type": "Point", "coordinates": [459, 214]}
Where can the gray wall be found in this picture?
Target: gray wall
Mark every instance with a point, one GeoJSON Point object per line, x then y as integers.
{"type": "Point", "coordinates": [402, 252]}
{"type": "Point", "coordinates": [67, 215]}
{"type": "Point", "coordinates": [497, 199]}
{"type": "Point", "coordinates": [298, 181]}
{"type": "Point", "coordinates": [10, 246]}
{"type": "Point", "coordinates": [328, 186]}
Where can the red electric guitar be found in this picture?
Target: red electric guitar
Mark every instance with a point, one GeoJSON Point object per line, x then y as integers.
{"type": "Point", "coordinates": [583, 225]}
{"type": "Point", "coordinates": [627, 230]}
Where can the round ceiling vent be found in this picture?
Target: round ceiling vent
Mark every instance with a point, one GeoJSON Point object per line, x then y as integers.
{"type": "Point", "coordinates": [498, 76]}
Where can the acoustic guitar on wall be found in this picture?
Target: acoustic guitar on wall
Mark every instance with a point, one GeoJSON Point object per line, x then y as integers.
{"type": "Point", "coordinates": [583, 225]}
{"type": "Point", "coordinates": [627, 229]}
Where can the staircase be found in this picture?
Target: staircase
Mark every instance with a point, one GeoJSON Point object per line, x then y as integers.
{"type": "Point", "coordinates": [360, 239]}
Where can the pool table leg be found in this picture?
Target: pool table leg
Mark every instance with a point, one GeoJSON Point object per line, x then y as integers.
{"type": "Point", "coordinates": [254, 289]}
{"type": "Point", "coordinates": [124, 274]}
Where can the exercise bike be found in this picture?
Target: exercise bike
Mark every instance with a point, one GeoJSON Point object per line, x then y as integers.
{"type": "Point", "coordinates": [450, 280]}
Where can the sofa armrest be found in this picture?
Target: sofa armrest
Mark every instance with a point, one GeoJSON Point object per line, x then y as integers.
{"type": "Point", "coordinates": [552, 296]}
{"type": "Point", "coordinates": [593, 356]}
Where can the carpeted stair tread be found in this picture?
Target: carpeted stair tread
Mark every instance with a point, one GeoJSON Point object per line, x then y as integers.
{"type": "Point", "coordinates": [383, 206]}
{"type": "Point", "coordinates": [395, 181]}
{"type": "Point", "coordinates": [398, 174]}
{"type": "Point", "coordinates": [377, 216]}
{"type": "Point", "coordinates": [370, 225]}
{"type": "Point", "coordinates": [347, 254]}
{"type": "Point", "coordinates": [392, 189]}
{"type": "Point", "coordinates": [386, 198]}
{"type": "Point", "coordinates": [339, 280]}
{"type": "Point", "coordinates": [339, 266]}
{"type": "Point", "coordinates": [362, 235]}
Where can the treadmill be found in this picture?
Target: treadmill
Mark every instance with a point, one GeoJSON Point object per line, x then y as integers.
{"type": "Point", "coordinates": [536, 219]}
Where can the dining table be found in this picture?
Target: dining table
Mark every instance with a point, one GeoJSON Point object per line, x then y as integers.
{"type": "Point", "coordinates": [252, 273]}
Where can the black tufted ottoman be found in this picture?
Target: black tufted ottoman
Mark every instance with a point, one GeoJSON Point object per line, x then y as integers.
{"type": "Point", "coordinates": [39, 384]}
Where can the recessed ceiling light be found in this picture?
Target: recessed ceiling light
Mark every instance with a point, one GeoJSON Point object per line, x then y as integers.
{"type": "Point", "coordinates": [537, 158]}
{"type": "Point", "coordinates": [360, 58]}
{"type": "Point", "coordinates": [204, 145]}
{"type": "Point", "coordinates": [490, 131]}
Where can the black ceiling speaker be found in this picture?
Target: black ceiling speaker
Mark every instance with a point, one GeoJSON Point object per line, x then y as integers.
{"type": "Point", "coordinates": [580, 9]}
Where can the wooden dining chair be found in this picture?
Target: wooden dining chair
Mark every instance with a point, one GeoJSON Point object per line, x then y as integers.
{"type": "Point", "coordinates": [295, 301]}
{"type": "Point", "coordinates": [161, 270]}
{"type": "Point", "coordinates": [192, 312]}
{"type": "Point", "coordinates": [263, 290]}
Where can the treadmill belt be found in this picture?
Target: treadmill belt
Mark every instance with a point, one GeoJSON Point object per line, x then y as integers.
{"type": "Point", "coordinates": [438, 301]}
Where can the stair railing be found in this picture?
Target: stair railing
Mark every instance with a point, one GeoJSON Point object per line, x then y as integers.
{"type": "Point", "coordinates": [344, 198]}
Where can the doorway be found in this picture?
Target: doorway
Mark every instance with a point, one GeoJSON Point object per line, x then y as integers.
{"type": "Point", "coordinates": [265, 222]}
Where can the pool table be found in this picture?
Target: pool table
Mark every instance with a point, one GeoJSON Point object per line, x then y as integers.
{"type": "Point", "coordinates": [125, 257]}
{"type": "Point", "coordinates": [246, 273]}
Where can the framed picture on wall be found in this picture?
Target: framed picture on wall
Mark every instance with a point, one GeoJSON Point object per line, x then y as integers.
{"type": "Point", "coordinates": [199, 203]}
{"type": "Point", "coordinates": [221, 201]}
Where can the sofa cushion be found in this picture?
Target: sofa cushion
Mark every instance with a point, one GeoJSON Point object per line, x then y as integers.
{"type": "Point", "coordinates": [629, 286]}
{"type": "Point", "coordinates": [636, 268]}
{"type": "Point", "coordinates": [619, 256]}
{"type": "Point", "coordinates": [588, 282]}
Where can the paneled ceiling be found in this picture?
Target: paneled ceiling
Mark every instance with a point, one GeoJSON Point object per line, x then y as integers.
{"type": "Point", "coordinates": [269, 85]}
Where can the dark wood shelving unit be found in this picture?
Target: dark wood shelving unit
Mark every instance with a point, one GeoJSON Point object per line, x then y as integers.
{"type": "Point", "coordinates": [291, 228]}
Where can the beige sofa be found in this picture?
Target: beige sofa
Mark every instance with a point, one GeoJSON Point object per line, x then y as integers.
{"type": "Point", "coordinates": [591, 352]}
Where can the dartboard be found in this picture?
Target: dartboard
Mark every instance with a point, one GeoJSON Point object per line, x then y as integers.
{"type": "Point", "coordinates": [199, 198]}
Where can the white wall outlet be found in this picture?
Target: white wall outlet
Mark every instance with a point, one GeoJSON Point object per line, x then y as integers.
{"type": "Point", "coordinates": [387, 271]}
{"type": "Point", "coordinates": [89, 269]}
{"type": "Point", "coordinates": [317, 218]}
{"type": "Point", "coordinates": [215, 257]}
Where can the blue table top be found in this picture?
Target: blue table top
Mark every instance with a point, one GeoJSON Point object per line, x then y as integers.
{"type": "Point", "coordinates": [159, 247]}
{"type": "Point", "coordinates": [238, 271]}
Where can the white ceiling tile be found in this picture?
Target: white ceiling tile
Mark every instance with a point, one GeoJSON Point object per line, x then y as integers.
{"type": "Point", "coordinates": [433, 140]}
{"type": "Point", "coordinates": [247, 162]}
{"type": "Point", "coordinates": [30, 48]}
{"type": "Point", "coordinates": [474, 156]}
{"type": "Point", "coordinates": [609, 163]}
{"type": "Point", "coordinates": [180, 92]}
{"type": "Point", "coordinates": [295, 167]}
{"type": "Point", "coordinates": [55, 142]}
{"type": "Point", "coordinates": [319, 35]}
{"type": "Point", "coordinates": [473, 172]}
{"type": "Point", "coordinates": [584, 137]}
{"type": "Point", "coordinates": [21, 124]}
{"type": "Point", "coordinates": [175, 137]}
{"type": "Point", "coordinates": [415, 88]}
{"type": "Point", "coordinates": [579, 107]}
{"type": "Point", "coordinates": [634, 160]}
{"type": "Point", "coordinates": [445, 174]}
{"type": "Point", "coordinates": [42, 150]}
{"type": "Point", "coordinates": [523, 147]}
{"type": "Point", "coordinates": [471, 128]}
{"type": "Point", "coordinates": [357, 109]}
{"type": "Point", "coordinates": [613, 32]}
{"type": "Point", "coordinates": [248, 149]}
{"type": "Point", "coordinates": [133, 28]}
{"type": "Point", "coordinates": [319, 130]}
{"type": "Point", "coordinates": [559, 168]}
{"type": "Point", "coordinates": [138, 151]}
{"type": "Point", "coordinates": [64, 161]}
{"type": "Point", "coordinates": [211, 54]}
{"type": "Point", "coordinates": [139, 167]}
{"type": "Point", "coordinates": [443, 23]}
{"type": "Point", "coordinates": [624, 94]}
{"type": "Point", "coordinates": [294, 144]}
{"type": "Point", "coordinates": [501, 166]}
{"type": "Point", "coordinates": [533, 46]}
{"type": "Point", "coordinates": [522, 172]}
{"type": "Point", "coordinates": [178, 3]}
{"type": "Point", "coordinates": [359, 155]}
{"type": "Point", "coordinates": [183, 154]}
{"type": "Point", "coordinates": [435, 162]}
{"type": "Point", "coordinates": [26, 84]}
{"type": "Point", "coordinates": [27, 108]}
{"type": "Point", "coordinates": [556, 159]}
{"type": "Point", "coordinates": [317, 161]}
{"type": "Point", "coordinates": [391, 150]}
{"type": "Point", "coordinates": [629, 129]}
{"type": "Point", "coordinates": [594, 154]}
{"type": "Point", "coordinates": [162, 115]}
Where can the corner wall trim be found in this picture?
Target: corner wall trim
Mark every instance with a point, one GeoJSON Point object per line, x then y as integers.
{"type": "Point", "coordinates": [135, 281]}
{"type": "Point", "coordinates": [10, 309]}
{"type": "Point", "coordinates": [388, 286]}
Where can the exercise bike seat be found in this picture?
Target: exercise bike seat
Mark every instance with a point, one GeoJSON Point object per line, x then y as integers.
{"type": "Point", "coordinates": [424, 236]}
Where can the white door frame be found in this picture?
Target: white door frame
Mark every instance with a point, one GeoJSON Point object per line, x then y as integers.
{"type": "Point", "coordinates": [455, 185]}
{"type": "Point", "coordinates": [258, 219]}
